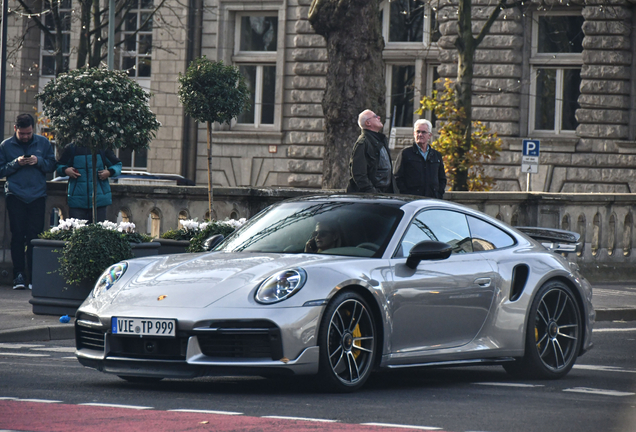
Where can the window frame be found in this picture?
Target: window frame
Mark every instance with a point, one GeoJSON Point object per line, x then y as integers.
{"type": "Point", "coordinates": [426, 42]}
{"type": "Point", "coordinates": [46, 53]}
{"type": "Point", "coordinates": [556, 61]}
{"type": "Point", "coordinates": [260, 59]}
{"type": "Point", "coordinates": [123, 52]}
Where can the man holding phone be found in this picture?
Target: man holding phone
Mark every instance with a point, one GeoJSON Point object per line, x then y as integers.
{"type": "Point", "coordinates": [25, 159]}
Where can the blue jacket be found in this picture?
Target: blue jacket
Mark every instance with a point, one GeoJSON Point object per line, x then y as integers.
{"type": "Point", "coordinates": [27, 182]}
{"type": "Point", "coordinates": [80, 190]}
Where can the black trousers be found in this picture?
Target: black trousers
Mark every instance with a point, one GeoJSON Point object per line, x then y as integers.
{"type": "Point", "coordinates": [26, 222]}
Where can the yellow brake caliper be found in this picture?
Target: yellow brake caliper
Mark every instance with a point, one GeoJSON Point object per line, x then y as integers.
{"type": "Point", "coordinates": [356, 334]}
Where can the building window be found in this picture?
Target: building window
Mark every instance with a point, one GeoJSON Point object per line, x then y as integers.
{"type": "Point", "coordinates": [408, 21]}
{"type": "Point", "coordinates": [557, 47]}
{"type": "Point", "coordinates": [401, 98]}
{"type": "Point", "coordinates": [136, 51]}
{"type": "Point", "coordinates": [255, 55]}
{"type": "Point", "coordinates": [47, 43]}
{"type": "Point", "coordinates": [133, 160]}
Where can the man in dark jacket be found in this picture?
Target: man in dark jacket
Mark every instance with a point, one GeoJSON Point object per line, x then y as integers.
{"type": "Point", "coordinates": [76, 162]}
{"type": "Point", "coordinates": [25, 159]}
{"type": "Point", "coordinates": [420, 167]}
{"type": "Point", "coordinates": [370, 165]}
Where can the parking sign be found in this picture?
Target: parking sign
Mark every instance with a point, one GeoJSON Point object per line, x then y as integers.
{"type": "Point", "coordinates": [531, 147]}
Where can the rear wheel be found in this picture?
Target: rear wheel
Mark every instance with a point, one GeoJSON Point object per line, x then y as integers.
{"type": "Point", "coordinates": [348, 343]}
{"type": "Point", "coordinates": [553, 336]}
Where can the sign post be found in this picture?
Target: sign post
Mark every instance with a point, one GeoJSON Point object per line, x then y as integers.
{"type": "Point", "coordinates": [530, 159]}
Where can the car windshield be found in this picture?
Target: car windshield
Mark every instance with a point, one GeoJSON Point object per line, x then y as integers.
{"type": "Point", "coordinates": [337, 228]}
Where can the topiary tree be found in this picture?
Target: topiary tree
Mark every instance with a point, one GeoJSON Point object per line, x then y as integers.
{"type": "Point", "coordinates": [484, 145]}
{"type": "Point", "coordinates": [90, 250]}
{"type": "Point", "coordinates": [99, 109]}
{"type": "Point", "coordinates": [212, 92]}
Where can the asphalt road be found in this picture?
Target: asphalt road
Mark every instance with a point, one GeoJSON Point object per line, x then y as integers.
{"type": "Point", "coordinates": [597, 395]}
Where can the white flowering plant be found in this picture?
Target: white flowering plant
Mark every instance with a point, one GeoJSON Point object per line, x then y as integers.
{"type": "Point", "coordinates": [197, 232]}
{"type": "Point", "coordinates": [100, 109]}
{"type": "Point", "coordinates": [66, 227]}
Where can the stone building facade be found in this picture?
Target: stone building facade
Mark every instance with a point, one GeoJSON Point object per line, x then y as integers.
{"type": "Point", "coordinates": [560, 72]}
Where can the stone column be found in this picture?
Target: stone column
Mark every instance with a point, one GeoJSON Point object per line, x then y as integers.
{"type": "Point", "coordinates": [305, 69]}
{"type": "Point", "coordinates": [605, 77]}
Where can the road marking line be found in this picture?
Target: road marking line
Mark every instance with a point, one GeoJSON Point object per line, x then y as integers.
{"type": "Point", "coordinates": [598, 391]}
{"type": "Point", "coordinates": [58, 349]}
{"type": "Point", "coordinates": [39, 400]}
{"type": "Point", "coordinates": [603, 368]}
{"type": "Point", "coordinates": [509, 384]}
{"type": "Point", "coordinates": [206, 411]}
{"type": "Point", "coordinates": [401, 426]}
{"type": "Point", "coordinates": [18, 345]}
{"type": "Point", "coordinates": [117, 406]}
{"type": "Point", "coordinates": [23, 355]}
{"type": "Point", "coordinates": [300, 418]}
{"type": "Point", "coordinates": [613, 330]}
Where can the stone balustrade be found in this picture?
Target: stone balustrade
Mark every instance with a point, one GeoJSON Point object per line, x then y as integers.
{"type": "Point", "coordinates": [605, 221]}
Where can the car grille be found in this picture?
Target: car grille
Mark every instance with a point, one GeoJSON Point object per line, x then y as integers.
{"type": "Point", "coordinates": [88, 333]}
{"type": "Point", "coordinates": [148, 347]}
{"type": "Point", "coordinates": [244, 339]}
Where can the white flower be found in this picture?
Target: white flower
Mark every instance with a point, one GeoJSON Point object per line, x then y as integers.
{"type": "Point", "coordinates": [109, 225]}
{"type": "Point", "coordinates": [128, 227]}
{"type": "Point", "coordinates": [89, 105]}
{"type": "Point", "coordinates": [190, 224]}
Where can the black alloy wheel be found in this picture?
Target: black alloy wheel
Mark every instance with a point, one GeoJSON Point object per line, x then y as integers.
{"type": "Point", "coordinates": [553, 335]}
{"type": "Point", "coordinates": [348, 343]}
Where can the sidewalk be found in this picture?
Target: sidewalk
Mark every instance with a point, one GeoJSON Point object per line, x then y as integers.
{"type": "Point", "coordinates": [18, 323]}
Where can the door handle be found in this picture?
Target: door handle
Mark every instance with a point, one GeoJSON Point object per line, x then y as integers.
{"type": "Point", "coordinates": [483, 282]}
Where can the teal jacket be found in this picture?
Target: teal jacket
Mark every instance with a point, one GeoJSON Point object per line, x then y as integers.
{"type": "Point", "coordinates": [79, 190]}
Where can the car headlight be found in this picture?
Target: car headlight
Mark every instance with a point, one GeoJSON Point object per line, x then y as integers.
{"type": "Point", "coordinates": [111, 275]}
{"type": "Point", "coordinates": [281, 286]}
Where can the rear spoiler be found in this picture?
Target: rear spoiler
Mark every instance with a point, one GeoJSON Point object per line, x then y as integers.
{"type": "Point", "coordinates": [554, 240]}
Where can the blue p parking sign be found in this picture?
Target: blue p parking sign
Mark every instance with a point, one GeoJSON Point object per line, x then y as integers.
{"type": "Point", "coordinates": [531, 147]}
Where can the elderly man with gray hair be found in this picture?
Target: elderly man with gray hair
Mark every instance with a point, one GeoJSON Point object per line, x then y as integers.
{"type": "Point", "coordinates": [370, 165]}
{"type": "Point", "coordinates": [420, 168]}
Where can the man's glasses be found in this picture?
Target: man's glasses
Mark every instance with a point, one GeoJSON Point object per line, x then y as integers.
{"type": "Point", "coordinates": [422, 132]}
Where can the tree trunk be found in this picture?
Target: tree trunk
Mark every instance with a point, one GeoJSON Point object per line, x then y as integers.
{"type": "Point", "coordinates": [355, 77]}
{"type": "Point", "coordinates": [210, 169]}
{"type": "Point", "coordinates": [465, 44]}
{"type": "Point", "coordinates": [83, 47]}
{"type": "Point", "coordinates": [94, 198]}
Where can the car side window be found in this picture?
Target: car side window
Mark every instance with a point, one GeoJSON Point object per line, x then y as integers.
{"type": "Point", "coordinates": [439, 225]}
{"type": "Point", "coordinates": [486, 236]}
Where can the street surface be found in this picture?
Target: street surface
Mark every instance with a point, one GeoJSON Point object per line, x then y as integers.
{"type": "Point", "coordinates": [43, 388]}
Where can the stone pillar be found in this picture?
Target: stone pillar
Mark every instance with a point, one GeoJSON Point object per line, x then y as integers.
{"type": "Point", "coordinates": [497, 69]}
{"type": "Point", "coordinates": [605, 77]}
{"type": "Point", "coordinates": [305, 70]}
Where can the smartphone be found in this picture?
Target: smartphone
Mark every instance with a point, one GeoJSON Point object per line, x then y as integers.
{"type": "Point", "coordinates": [27, 155]}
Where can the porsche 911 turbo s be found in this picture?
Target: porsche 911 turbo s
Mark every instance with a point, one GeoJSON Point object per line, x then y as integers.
{"type": "Point", "coordinates": [339, 286]}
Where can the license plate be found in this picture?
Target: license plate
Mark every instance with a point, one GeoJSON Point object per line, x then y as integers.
{"type": "Point", "coordinates": [143, 326]}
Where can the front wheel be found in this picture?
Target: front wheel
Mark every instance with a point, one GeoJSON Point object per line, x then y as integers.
{"type": "Point", "coordinates": [553, 334]}
{"type": "Point", "coordinates": [348, 343]}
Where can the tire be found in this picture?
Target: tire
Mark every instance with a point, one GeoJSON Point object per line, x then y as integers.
{"type": "Point", "coordinates": [140, 379]}
{"type": "Point", "coordinates": [553, 336]}
{"type": "Point", "coordinates": [348, 343]}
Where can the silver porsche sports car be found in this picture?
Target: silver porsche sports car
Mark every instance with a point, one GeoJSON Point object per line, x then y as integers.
{"type": "Point", "coordinates": [339, 286]}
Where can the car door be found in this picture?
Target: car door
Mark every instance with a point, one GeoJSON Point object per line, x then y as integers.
{"type": "Point", "coordinates": [441, 303]}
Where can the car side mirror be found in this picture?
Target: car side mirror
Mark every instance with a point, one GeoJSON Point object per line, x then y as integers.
{"type": "Point", "coordinates": [428, 250]}
{"type": "Point", "coordinates": [212, 241]}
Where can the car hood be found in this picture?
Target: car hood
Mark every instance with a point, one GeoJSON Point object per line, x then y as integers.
{"type": "Point", "coordinates": [199, 281]}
